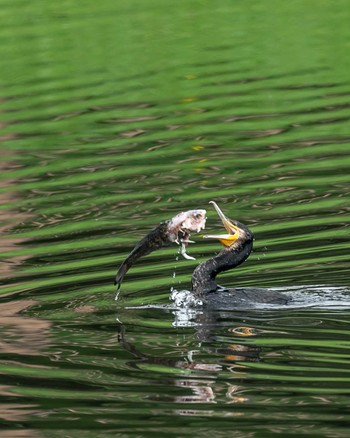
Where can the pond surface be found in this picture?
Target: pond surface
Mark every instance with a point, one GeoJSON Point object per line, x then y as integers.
{"type": "Point", "coordinates": [117, 115]}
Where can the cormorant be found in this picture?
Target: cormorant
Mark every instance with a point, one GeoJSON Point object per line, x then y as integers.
{"type": "Point", "coordinates": [238, 244]}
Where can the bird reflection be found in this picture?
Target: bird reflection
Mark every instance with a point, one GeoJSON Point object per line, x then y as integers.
{"type": "Point", "coordinates": [203, 377]}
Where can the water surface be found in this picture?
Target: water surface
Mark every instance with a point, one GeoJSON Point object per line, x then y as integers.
{"type": "Point", "coordinates": [117, 115]}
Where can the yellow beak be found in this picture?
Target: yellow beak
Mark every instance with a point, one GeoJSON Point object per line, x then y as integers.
{"type": "Point", "coordinates": [232, 230]}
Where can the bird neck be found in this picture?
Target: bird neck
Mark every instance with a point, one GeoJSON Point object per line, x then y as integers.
{"type": "Point", "coordinates": [204, 276]}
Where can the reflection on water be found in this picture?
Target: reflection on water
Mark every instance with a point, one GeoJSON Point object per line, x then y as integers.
{"type": "Point", "coordinates": [226, 363]}
{"type": "Point", "coordinates": [22, 335]}
{"type": "Point", "coordinates": [200, 382]}
{"type": "Point", "coordinates": [117, 115]}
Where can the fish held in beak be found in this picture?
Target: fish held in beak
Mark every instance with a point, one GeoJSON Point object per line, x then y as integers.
{"type": "Point", "coordinates": [175, 230]}
{"type": "Point", "coordinates": [181, 225]}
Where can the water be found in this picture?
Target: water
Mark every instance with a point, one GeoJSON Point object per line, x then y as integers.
{"type": "Point", "coordinates": [117, 115]}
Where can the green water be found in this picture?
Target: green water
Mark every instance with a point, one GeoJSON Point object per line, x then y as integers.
{"type": "Point", "coordinates": [117, 115]}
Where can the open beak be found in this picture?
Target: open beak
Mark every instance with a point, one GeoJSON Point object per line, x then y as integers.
{"type": "Point", "coordinates": [232, 230]}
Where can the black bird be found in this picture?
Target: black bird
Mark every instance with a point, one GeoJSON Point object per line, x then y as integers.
{"type": "Point", "coordinates": [238, 244]}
